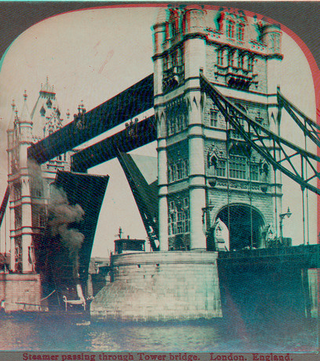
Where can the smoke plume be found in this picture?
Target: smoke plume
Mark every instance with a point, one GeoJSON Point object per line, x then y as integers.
{"type": "Point", "coordinates": [61, 216]}
{"type": "Point", "coordinates": [36, 179]}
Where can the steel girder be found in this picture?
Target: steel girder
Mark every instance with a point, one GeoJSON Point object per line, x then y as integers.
{"type": "Point", "coordinates": [124, 106]}
{"type": "Point", "coordinates": [307, 125]}
{"type": "Point", "coordinates": [4, 204]}
{"type": "Point", "coordinates": [134, 136]}
{"type": "Point", "coordinates": [145, 195]}
{"type": "Point", "coordinates": [276, 150]}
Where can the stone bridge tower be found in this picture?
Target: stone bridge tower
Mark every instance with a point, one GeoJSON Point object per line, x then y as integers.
{"type": "Point", "coordinates": [29, 184]}
{"type": "Point", "coordinates": [211, 182]}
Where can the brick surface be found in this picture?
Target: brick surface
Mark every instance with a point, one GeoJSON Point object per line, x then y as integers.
{"type": "Point", "coordinates": [20, 292]}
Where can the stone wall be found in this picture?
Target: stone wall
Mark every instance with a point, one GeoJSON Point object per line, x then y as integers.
{"type": "Point", "coordinates": [20, 292]}
{"type": "Point", "coordinates": [161, 286]}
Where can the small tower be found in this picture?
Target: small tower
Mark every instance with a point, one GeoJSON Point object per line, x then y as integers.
{"type": "Point", "coordinates": [206, 171]}
{"type": "Point", "coordinates": [29, 183]}
{"type": "Point", "coordinates": [19, 139]}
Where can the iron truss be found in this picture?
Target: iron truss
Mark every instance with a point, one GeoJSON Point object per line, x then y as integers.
{"type": "Point", "coordinates": [4, 204]}
{"type": "Point", "coordinates": [145, 196]}
{"type": "Point", "coordinates": [307, 125]}
{"type": "Point", "coordinates": [279, 152]}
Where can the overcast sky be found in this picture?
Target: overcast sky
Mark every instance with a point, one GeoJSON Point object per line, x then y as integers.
{"type": "Point", "coordinates": [93, 54]}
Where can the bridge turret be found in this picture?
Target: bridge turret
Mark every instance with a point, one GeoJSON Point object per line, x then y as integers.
{"type": "Point", "coordinates": [29, 188]}
{"type": "Point", "coordinates": [194, 42]}
{"type": "Point", "coordinates": [271, 36]}
{"type": "Point", "coordinates": [19, 139]}
{"type": "Point", "coordinates": [159, 42]}
{"type": "Point", "coordinates": [194, 20]}
{"type": "Point", "coordinates": [25, 136]}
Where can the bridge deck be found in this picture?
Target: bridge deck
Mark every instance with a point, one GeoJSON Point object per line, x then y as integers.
{"type": "Point", "coordinates": [306, 256]}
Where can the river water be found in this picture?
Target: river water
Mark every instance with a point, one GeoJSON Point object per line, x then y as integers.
{"type": "Point", "coordinates": [42, 333]}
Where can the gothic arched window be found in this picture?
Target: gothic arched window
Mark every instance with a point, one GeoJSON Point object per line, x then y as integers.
{"type": "Point", "coordinates": [179, 57]}
{"type": "Point", "coordinates": [230, 29]}
{"type": "Point", "coordinates": [220, 56]}
{"type": "Point", "coordinates": [240, 61]}
{"type": "Point", "coordinates": [240, 32]}
{"type": "Point", "coordinates": [230, 58]}
{"type": "Point", "coordinates": [250, 63]}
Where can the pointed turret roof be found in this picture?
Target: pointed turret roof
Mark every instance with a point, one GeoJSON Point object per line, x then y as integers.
{"type": "Point", "coordinates": [45, 109]}
{"type": "Point", "coordinates": [13, 115]}
{"type": "Point", "coordinates": [25, 114]}
{"type": "Point", "coordinates": [47, 88]}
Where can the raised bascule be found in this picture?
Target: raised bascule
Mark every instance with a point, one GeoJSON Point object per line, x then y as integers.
{"type": "Point", "coordinates": [212, 218]}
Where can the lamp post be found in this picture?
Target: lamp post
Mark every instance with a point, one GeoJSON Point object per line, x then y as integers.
{"type": "Point", "coordinates": [205, 221]}
{"type": "Point", "coordinates": [282, 216]}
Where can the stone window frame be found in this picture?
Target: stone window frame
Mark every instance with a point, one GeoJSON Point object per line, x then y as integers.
{"type": "Point", "coordinates": [221, 168]}
{"type": "Point", "coordinates": [39, 216]}
{"type": "Point", "coordinates": [177, 121]}
{"type": "Point", "coordinates": [179, 217]}
{"type": "Point", "coordinates": [254, 169]}
{"type": "Point", "coordinates": [214, 117]}
{"type": "Point", "coordinates": [250, 62]}
{"type": "Point", "coordinates": [240, 31]}
{"type": "Point", "coordinates": [238, 167]}
{"type": "Point", "coordinates": [230, 25]}
{"type": "Point", "coordinates": [240, 60]}
{"type": "Point", "coordinates": [17, 190]}
{"type": "Point", "coordinates": [221, 55]}
{"type": "Point", "coordinates": [18, 217]}
{"type": "Point", "coordinates": [178, 170]}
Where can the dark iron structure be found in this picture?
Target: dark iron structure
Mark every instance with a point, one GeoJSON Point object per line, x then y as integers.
{"type": "Point", "coordinates": [281, 152]}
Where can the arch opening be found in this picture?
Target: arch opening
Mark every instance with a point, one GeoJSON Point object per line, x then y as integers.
{"type": "Point", "coordinates": [245, 224]}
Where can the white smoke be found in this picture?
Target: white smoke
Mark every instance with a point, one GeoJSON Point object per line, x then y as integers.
{"type": "Point", "coordinates": [36, 179]}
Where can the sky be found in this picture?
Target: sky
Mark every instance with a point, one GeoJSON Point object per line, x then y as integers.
{"type": "Point", "coordinates": [92, 55]}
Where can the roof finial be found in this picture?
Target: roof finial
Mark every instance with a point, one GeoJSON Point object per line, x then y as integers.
{"type": "Point", "coordinates": [13, 104]}
{"type": "Point", "coordinates": [25, 95]}
{"type": "Point", "coordinates": [81, 108]}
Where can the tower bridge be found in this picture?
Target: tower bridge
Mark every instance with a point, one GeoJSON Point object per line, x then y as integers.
{"type": "Point", "coordinates": [217, 114]}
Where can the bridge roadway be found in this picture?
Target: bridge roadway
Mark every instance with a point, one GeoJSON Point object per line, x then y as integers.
{"type": "Point", "coordinates": [303, 256]}
{"type": "Point", "coordinates": [276, 285]}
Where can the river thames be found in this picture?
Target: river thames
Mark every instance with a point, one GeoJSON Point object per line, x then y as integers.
{"type": "Point", "coordinates": [43, 333]}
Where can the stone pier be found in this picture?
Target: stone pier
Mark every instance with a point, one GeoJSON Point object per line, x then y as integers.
{"type": "Point", "coordinates": [160, 286]}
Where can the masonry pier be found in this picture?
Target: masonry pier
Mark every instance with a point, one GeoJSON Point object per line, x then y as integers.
{"type": "Point", "coordinates": [160, 286]}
